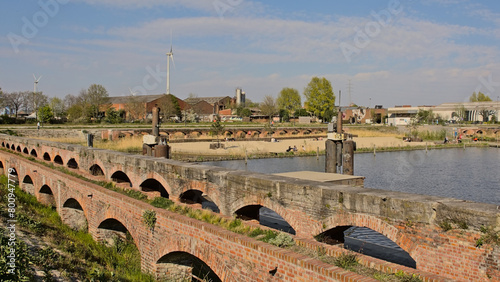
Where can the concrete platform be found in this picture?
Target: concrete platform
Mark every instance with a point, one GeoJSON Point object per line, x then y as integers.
{"type": "Point", "coordinates": [355, 181]}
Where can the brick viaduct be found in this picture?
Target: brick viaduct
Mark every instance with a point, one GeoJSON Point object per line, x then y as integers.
{"type": "Point", "coordinates": [412, 221]}
{"type": "Point", "coordinates": [239, 133]}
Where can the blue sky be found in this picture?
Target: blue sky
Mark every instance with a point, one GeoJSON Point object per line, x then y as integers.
{"type": "Point", "coordinates": [394, 52]}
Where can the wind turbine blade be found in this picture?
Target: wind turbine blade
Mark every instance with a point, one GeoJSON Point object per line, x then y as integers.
{"type": "Point", "coordinates": [39, 78]}
{"type": "Point", "coordinates": [34, 77]}
{"type": "Point", "coordinates": [172, 56]}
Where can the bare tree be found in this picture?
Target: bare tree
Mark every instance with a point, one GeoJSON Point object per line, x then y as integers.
{"type": "Point", "coordinates": [135, 108]}
{"type": "Point", "coordinates": [36, 101]}
{"type": "Point", "coordinates": [69, 101]}
{"type": "Point", "coordinates": [15, 101]}
{"type": "Point", "coordinates": [97, 98]}
{"type": "Point", "coordinates": [268, 106]}
{"type": "Point", "coordinates": [57, 106]}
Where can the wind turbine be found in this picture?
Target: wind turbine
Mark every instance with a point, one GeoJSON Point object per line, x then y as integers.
{"type": "Point", "coordinates": [132, 92]}
{"type": "Point", "coordinates": [35, 83]}
{"type": "Point", "coordinates": [170, 55]}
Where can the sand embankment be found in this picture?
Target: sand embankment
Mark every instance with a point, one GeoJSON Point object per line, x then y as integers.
{"type": "Point", "coordinates": [236, 148]}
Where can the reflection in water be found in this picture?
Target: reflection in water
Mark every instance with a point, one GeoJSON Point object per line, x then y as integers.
{"type": "Point", "coordinates": [470, 174]}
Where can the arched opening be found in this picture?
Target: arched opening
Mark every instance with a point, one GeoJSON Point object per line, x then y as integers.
{"type": "Point", "coordinates": [121, 178]}
{"type": "Point", "coordinates": [153, 188]}
{"type": "Point", "coordinates": [197, 197]}
{"type": "Point", "coordinates": [58, 160]}
{"type": "Point", "coordinates": [1, 168]}
{"type": "Point", "coordinates": [27, 185]}
{"type": "Point", "coordinates": [96, 170]}
{"type": "Point", "coordinates": [7, 146]}
{"type": "Point", "coordinates": [266, 217]}
{"type": "Point", "coordinates": [3, 144]}
{"type": "Point", "coordinates": [18, 148]}
{"type": "Point", "coordinates": [112, 231]}
{"type": "Point", "coordinates": [368, 242]}
{"type": "Point", "coordinates": [46, 196]}
{"type": "Point", "coordinates": [46, 157]}
{"type": "Point", "coordinates": [72, 214]}
{"type": "Point", "coordinates": [26, 151]}
{"type": "Point", "coordinates": [72, 163]}
{"type": "Point", "coordinates": [33, 153]}
{"type": "Point", "coordinates": [13, 147]}
{"type": "Point", "coordinates": [182, 266]}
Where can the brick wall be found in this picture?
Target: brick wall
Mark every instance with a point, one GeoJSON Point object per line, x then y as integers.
{"type": "Point", "coordinates": [412, 221]}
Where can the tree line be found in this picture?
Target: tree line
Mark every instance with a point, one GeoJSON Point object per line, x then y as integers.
{"type": "Point", "coordinates": [320, 101]}
{"type": "Point", "coordinates": [85, 107]}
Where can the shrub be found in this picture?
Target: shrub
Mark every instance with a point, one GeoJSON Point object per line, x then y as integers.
{"type": "Point", "coordinates": [283, 240]}
{"type": "Point", "coordinates": [160, 202]}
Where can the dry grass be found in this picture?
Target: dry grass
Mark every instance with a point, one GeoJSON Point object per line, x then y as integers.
{"type": "Point", "coordinates": [129, 144]}
{"type": "Point", "coordinates": [373, 133]}
{"type": "Point", "coordinates": [67, 140]}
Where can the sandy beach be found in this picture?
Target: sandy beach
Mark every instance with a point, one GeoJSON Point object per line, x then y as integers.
{"type": "Point", "coordinates": [306, 144]}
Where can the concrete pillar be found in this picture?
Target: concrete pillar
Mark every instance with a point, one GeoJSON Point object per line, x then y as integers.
{"type": "Point", "coordinates": [90, 140]}
{"type": "Point", "coordinates": [330, 156]}
{"type": "Point", "coordinates": [339, 122]}
{"type": "Point", "coordinates": [156, 121]}
{"type": "Point", "coordinates": [348, 157]}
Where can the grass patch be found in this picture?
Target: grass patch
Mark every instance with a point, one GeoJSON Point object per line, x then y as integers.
{"type": "Point", "coordinates": [74, 253]}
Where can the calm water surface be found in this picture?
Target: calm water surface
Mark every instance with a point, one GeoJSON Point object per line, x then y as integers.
{"type": "Point", "coordinates": [472, 174]}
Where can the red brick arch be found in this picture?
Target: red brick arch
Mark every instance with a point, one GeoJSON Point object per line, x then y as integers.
{"type": "Point", "coordinates": [158, 177]}
{"type": "Point", "coordinates": [374, 223]}
{"type": "Point", "coordinates": [120, 216]}
{"type": "Point", "coordinates": [65, 213]}
{"type": "Point", "coordinates": [101, 165]}
{"type": "Point", "coordinates": [289, 216]}
{"type": "Point", "coordinates": [175, 243]}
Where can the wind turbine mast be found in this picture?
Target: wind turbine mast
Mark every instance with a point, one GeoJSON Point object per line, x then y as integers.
{"type": "Point", "coordinates": [170, 55]}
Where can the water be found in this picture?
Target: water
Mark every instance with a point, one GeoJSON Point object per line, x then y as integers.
{"type": "Point", "coordinates": [472, 174]}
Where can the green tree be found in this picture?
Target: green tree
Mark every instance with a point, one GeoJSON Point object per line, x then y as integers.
{"type": "Point", "coordinates": [319, 97]}
{"type": "Point", "coordinates": [301, 113]}
{"type": "Point", "coordinates": [479, 97]}
{"type": "Point", "coordinates": [243, 112]}
{"type": "Point", "coordinates": [425, 116]}
{"type": "Point", "coordinates": [45, 114]}
{"type": "Point", "coordinates": [216, 129]}
{"type": "Point", "coordinates": [289, 99]}
{"type": "Point", "coordinates": [284, 115]}
{"type": "Point", "coordinates": [113, 116]}
{"type": "Point", "coordinates": [268, 106]}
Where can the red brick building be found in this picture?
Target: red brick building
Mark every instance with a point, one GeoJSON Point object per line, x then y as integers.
{"type": "Point", "coordinates": [143, 104]}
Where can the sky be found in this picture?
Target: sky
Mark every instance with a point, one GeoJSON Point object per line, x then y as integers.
{"type": "Point", "coordinates": [388, 53]}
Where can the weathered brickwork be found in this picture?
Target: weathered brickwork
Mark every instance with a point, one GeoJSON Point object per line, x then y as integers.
{"type": "Point", "coordinates": [230, 256]}
{"type": "Point", "coordinates": [412, 221]}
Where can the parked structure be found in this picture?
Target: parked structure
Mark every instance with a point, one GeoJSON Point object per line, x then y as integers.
{"type": "Point", "coordinates": [353, 115]}
{"type": "Point", "coordinates": [472, 111]}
